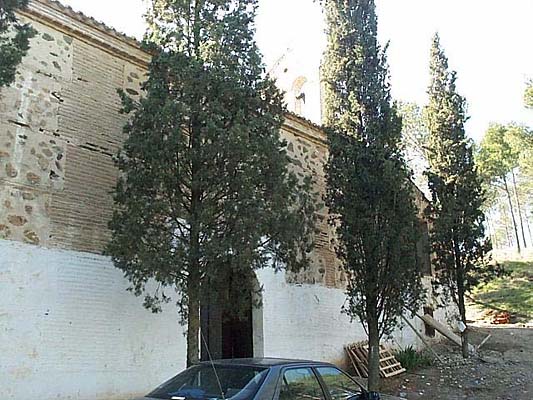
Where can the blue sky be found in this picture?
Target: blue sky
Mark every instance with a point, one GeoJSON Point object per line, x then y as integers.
{"type": "Point", "coordinates": [488, 42]}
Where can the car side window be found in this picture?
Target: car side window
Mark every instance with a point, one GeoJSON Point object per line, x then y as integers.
{"type": "Point", "coordinates": [300, 384]}
{"type": "Point", "coordinates": [339, 385]}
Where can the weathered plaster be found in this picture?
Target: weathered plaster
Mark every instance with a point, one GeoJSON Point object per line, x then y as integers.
{"type": "Point", "coordinates": [32, 156]}
{"type": "Point", "coordinates": [70, 330]}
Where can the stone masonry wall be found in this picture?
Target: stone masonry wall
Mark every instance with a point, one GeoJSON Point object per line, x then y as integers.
{"type": "Point", "coordinates": [307, 149]}
{"type": "Point", "coordinates": [60, 127]}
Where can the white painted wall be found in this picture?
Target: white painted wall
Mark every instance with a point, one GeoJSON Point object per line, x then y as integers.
{"type": "Point", "coordinates": [304, 321]}
{"type": "Point", "coordinates": [69, 330]}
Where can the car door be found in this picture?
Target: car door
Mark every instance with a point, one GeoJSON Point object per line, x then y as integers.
{"type": "Point", "coordinates": [337, 384]}
{"type": "Point", "coordinates": [300, 383]}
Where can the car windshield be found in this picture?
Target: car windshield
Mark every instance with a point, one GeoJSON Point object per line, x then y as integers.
{"type": "Point", "coordinates": [200, 382]}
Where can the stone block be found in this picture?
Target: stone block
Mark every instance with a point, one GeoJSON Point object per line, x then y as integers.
{"type": "Point", "coordinates": [31, 158]}
{"type": "Point", "coordinates": [24, 214]}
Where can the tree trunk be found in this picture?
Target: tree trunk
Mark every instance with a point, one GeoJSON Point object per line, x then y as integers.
{"type": "Point", "coordinates": [464, 334]}
{"type": "Point", "coordinates": [519, 210]}
{"type": "Point", "coordinates": [373, 353]}
{"type": "Point", "coordinates": [193, 281]}
{"type": "Point", "coordinates": [193, 325]}
{"type": "Point", "coordinates": [503, 212]}
{"type": "Point", "coordinates": [529, 229]}
{"type": "Point", "coordinates": [512, 214]}
{"type": "Point", "coordinates": [460, 273]}
{"type": "Point", "coordinates": [193, 293]}
{"type": "Point", "coordinates": [492, 232]}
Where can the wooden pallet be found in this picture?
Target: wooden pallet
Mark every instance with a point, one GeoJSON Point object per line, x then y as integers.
{"type": "Point", "coordinates": [358, 354]}
{"type": "Point", "coordinates": [443, 330]}
{"type": "Point", "coordinates": [359, 359]}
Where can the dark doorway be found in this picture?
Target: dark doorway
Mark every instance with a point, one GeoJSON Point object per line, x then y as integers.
{"type": "Point", "coordinates": [226, 336]}
{"type": "Point", "coordinates": [237, 337]}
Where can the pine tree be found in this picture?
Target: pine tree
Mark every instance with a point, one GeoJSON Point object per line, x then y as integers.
{"type": "Point", "coordinates": [14, 40]}
{"type": "Point", "coordinates": [528, 95]}
{"type": "Point", "coordinates": [496, 159]}
{"type": "Point", "coordinates": [458, 235]}
{"type": "Point", "coordinates": [503, 150]}
{"type": "Point", "coordinates": [206, 191]}
{"type": "Point", "coordinates": [369, 192]}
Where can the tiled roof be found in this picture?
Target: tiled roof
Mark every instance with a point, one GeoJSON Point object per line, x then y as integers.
{"type": "Point", "coordinates": [81, 17]}
{"type": "Point", "coordinates": [305, 120]}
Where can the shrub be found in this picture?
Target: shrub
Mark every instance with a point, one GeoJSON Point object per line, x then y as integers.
{"type": "Point", "coordinates": [412, 359]}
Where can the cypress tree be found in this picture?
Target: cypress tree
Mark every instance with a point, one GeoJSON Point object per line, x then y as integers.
{"type": "Point", "coordinates": [14, 40]}
{"type": "Point", "coordinates": [458, 235]}
{"type": "Point", "coordinates": [206, 195]}
{"type": "Point", "coordinates": [369, 192]}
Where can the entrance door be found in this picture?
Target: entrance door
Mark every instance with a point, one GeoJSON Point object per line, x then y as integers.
{"type": "Point", "coordinates": [237, 337]}
{"type": "Point", "coordinates": [225, 336]}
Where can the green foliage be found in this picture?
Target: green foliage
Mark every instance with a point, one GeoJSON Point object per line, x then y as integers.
{"type": "Point", "coordinates": [528, 95]}
{"type": "Point", "coordinates": [458, 235]}
{"type": "Point", "coordinates": [14, 40]}
{"type": "Point", "coordinates": [414, 140]}
{"type": "Point", "coordinates": [504, 153]}
{"type": "Point", "coordinates": [513, 292]}
{"type": "Point", "coordinates": [369, 192]}
{"type": "Point", "coordinates": [498, 154]}
{"type": "Point", "coordinates": [521, 139]}
{"type": "Point", "coordinates": [206, 196]}
{"type": "Point", "coordinates": [412, 359]}
{"type": "Point", "coordinates": [414, 127]}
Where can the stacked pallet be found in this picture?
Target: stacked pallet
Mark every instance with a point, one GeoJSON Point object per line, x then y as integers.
{"type": "Point", "coordinates": [358, 354]}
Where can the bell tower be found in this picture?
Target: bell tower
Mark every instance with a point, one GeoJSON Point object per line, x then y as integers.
{"type": "Point", "coordinates": [300, 81]}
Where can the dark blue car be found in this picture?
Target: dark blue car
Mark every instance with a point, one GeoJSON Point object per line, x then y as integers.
{"type": "Point", "coordinates": [262, 379]}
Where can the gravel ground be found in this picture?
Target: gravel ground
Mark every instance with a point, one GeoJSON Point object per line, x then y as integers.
{"type": "Point", "coordinates": [502, 370]}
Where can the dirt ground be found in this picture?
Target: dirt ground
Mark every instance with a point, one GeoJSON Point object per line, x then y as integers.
{"type": "Point", "coordinates": [503, 368]}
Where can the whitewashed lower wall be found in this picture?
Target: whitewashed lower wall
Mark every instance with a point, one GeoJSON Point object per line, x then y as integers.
{"type": "Point", "coordinates": [304, 321]}
{"type": "Point", "coordinates": [69, 330]}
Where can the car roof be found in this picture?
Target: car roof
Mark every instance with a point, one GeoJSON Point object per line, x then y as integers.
{"type": "Point", "coordinates": [264, 362]}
